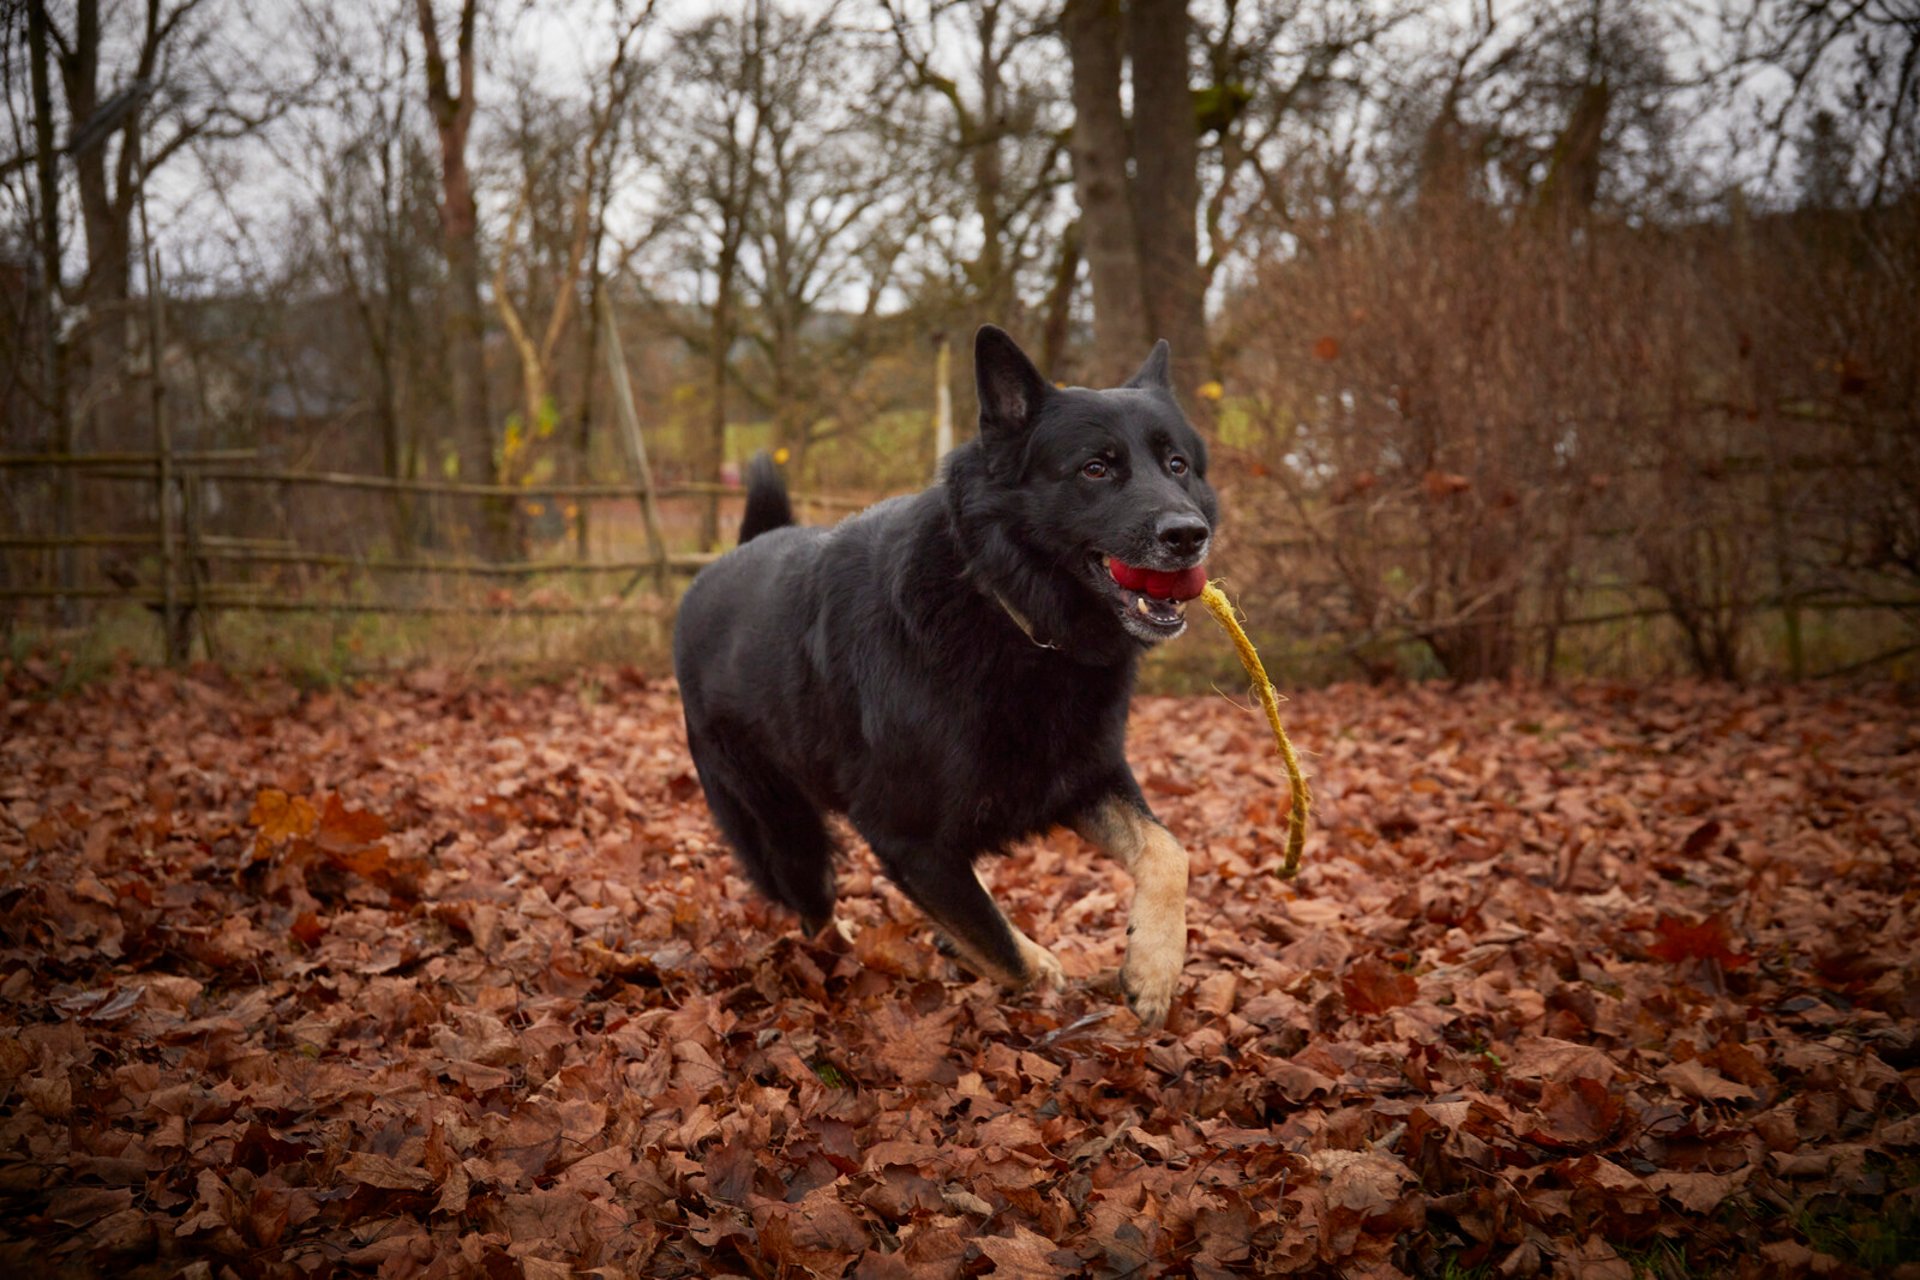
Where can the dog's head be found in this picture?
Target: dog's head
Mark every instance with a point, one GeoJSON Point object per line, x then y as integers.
{"type": "Point", "coordinates": [1105, 489]}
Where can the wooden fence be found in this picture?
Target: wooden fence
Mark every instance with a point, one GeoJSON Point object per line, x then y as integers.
{"type": "Point", "coordinates": [144, 532]}
{"type": "Point", "coordinates": [185, 567]}
{"type": "Point", "coordinates": [182, 570]}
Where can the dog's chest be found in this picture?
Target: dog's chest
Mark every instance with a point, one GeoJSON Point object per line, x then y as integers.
{"type": "Point", "coordinates": [1036, 752]}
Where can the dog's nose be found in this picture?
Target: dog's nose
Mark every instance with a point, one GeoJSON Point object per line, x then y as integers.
{"type": "Point", "coordinates": [1182, 533]}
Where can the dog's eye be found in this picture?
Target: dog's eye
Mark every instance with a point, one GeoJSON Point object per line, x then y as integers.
{"type": "Point", "coordinates": [1095, 469]}
{"type": "Point", "coordinates": [1177, 465]}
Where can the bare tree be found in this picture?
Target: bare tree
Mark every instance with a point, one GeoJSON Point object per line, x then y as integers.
{"type": "Point", "coordinates": [1108, 234]}
{"type": "Point", "coordinates": [560, 183]}
{"type": "Point", "coordinates": [1858, 63]}
{"type": "Point", "coordinates": [831, 183]}
{"type": "Point", "coordinates": [451, 103]}
{"type": "Point", "coordinates": [371, 188]}
{"type": "Point", "coordinates": [1281, 86]}
{"type": "Point", "coordinates": [52, 355]}
{"type": "Point", "coordinates": [1139, 175]}
{"type": "Point", "coordinates": [712, 166]}
{"type": "Point", "coordinates": [998, 127]}
{"type": "Point", "coordinates": [141, 87]}
{"type": "Point", "coordinates": [1166, 183]}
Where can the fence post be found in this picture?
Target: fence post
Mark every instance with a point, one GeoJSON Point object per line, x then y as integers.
{"type": "Point", "coordinates": [629, 418]}
{"type": "Point", "coordinates": [193, 499]}
{"type": "Point", "coordinates": [942, 401]}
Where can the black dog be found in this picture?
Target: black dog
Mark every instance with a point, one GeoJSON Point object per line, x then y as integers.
{"type": "Point", "coordinates": [951, 669]}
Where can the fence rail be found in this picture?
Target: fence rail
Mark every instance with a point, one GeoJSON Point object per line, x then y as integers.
{"type": "Point", "coordinates": [85, 461]}
{"type": "Point", "coordinates": [187, 553]}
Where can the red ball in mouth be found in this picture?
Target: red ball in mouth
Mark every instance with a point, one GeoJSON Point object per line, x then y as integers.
{"type": "Point", "coordinates": [1184, 584]}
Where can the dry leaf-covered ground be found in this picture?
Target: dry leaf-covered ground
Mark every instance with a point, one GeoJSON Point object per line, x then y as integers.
{"type": "Point", "coordinates": [451, 979]}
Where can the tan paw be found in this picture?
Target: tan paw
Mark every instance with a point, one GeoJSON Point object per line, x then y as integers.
{"type": "Point", "coordinates": [1151, 976]}
{"type": "Point", "coordinates": [1043, 967]}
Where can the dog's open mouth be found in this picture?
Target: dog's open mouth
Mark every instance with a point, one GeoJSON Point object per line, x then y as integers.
{"type": "Point", "coordinates": [1153, 602]}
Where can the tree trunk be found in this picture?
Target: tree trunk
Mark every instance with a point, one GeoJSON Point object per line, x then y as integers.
{"type": "Point", "coordinates": [464, 318]}
{"type": "Point", "coordinates": [466, 325]}
{"type": "Point", "coordinates": [983, 143]}
{"type": "Point", "coordinates": [1054, 325]}
{"type": "Point", "coordinates": [1166, 187]}
{"type": "Point", "coordinates": [791, 404]}
{"type": "Point", "coordinates": [52, 356]}
{"type": "Point", "coordinates": [106, 217]}
{"type": "Point", "coordinates": [711, 449]}
{"type": "Point", "coordinates": [1572, 183]}
{"type": "Point", "coordinates": [580, 468]}
{"type": "Point", "coordinates": [516, 454]}
{"type": "Point", "coordinates": [1092, 32]}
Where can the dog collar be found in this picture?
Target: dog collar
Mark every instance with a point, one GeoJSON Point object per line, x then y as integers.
{"type": "Point", "coordinates": [1020, 620]}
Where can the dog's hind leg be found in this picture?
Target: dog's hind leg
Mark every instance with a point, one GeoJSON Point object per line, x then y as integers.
{"type": "Point", "coordinates": [776, 833]}
{"type": "Point", "coordinates": [947, 889]}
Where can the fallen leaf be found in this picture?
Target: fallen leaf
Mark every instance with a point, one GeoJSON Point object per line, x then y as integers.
{"type": "Point", "coordinates": [382, 1171]}
{"type": "Point", "coordinates": [1370, 987]}
{"type": "Point", "coordinates": [1703, 1084]}
{"type": "Point", "coordinates": [281, 817]}
{"type": "Point", "coordinates": [1706, 939]}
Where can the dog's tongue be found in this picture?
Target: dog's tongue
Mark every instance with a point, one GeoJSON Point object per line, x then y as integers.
{"type": "Point", "coordinates": [1184, 585]}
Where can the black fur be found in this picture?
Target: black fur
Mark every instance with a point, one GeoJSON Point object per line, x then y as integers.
{"type": "Point", "coordinates": [876, 667]}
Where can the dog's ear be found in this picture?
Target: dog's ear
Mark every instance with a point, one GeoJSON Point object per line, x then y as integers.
{"type": "Point", "coordinates": [1157, 373]}
{"type": "Point", "coordinates": [1011, 389]}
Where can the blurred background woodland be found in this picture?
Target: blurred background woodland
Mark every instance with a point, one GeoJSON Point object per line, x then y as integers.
{"type": "Point", "coordinates": [1534, 338]}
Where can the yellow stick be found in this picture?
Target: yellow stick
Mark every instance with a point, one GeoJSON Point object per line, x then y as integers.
{"type": "Point", "coordinates": [1222, 610]}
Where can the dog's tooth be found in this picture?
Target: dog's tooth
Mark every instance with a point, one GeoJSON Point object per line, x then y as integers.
{"type": "Point", "coordinates": [1140, 602]}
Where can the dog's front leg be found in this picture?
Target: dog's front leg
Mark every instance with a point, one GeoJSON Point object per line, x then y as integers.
{"type": "Point", "coordinates": [1157, 922]}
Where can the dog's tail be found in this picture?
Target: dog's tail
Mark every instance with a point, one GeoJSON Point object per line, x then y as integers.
{"type": "Point", "coordinates": [767, 505]}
